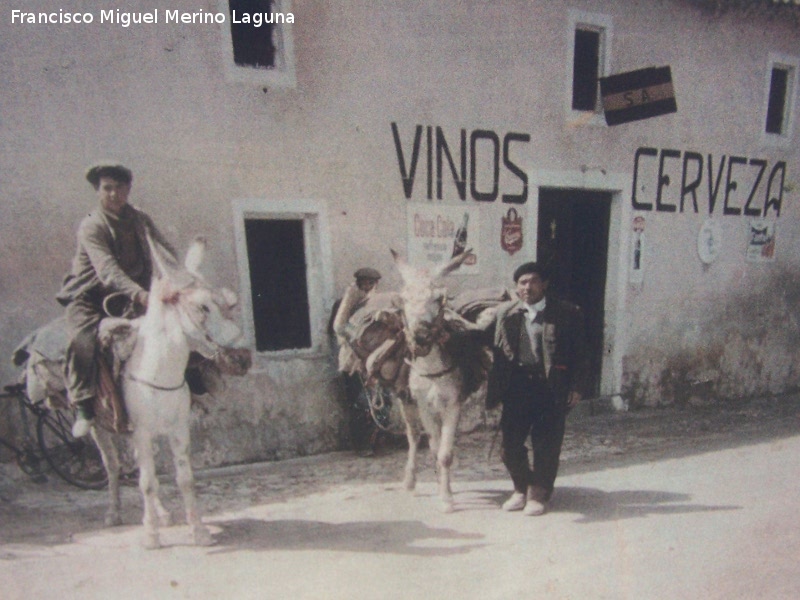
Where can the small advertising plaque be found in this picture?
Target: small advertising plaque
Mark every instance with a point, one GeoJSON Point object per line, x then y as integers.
{"type": "Point", "coordinates": [761, 241]}
{"type": "Point", "coordinates": [437, 233]}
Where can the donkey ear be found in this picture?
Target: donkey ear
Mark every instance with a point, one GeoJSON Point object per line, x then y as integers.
{"type": "Point", "coordinates": [453, 264]}
{"type": "Point", "coordinates": [161, 268]}
{"type": "Point", "coordinates": [166, 268]}
{"type": "Point", "coordinates": [402, 266]}
{"type": "Point", "coordinates": [195, 255]}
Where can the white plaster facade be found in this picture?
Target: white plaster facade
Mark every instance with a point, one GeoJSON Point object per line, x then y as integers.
{"type": "Point", "coordinates": [210, 147]}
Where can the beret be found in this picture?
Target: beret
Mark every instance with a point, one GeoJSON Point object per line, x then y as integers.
{"type": "Point", "coordinates": [367, 273]}
{"type": "Point", "coordinates": [115, 171]}
{"type": "Point", "coordinates": [531, 267]}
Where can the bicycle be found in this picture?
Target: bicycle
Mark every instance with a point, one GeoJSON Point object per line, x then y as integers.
{"type": "Point", "coordinates": [76, 461]}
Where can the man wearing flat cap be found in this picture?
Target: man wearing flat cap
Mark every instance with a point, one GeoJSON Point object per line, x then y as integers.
{"type": "Point", "coordinates": [540, 372]}
{"type": "Point", "coordinates": [355, 296]}
{"type": "Point", "coordinates": [113, 256]}
{"type": "Point", "coordinates": [363, 431]}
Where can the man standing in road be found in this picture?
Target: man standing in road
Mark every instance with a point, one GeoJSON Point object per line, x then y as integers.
{"type": "Point", "coordinates": [540, 372]}
{"type": "Point", "coordinates": [113, 256]}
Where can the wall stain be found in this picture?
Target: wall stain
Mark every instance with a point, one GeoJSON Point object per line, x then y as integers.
{"type": "Point", "coordinates": [743, 344]}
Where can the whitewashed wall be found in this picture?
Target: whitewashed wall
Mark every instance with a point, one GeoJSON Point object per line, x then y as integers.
{"type": "Point", "coordinates": [157, 98]}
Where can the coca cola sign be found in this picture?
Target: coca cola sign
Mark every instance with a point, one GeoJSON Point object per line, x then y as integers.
{"type": "Point", "coordinates": [439, 232]}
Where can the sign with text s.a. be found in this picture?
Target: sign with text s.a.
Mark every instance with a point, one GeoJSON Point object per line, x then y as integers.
{"type": "Point", "coordinates": [638, 95]}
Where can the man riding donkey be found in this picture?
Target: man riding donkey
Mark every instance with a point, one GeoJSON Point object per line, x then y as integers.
{"type": "Point", "coordinates": [113, 258]}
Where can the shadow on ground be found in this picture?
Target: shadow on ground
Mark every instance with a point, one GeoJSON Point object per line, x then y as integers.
{"type": "Point", "coordinates": [593, 505]}
{"type": "Point", "coordinates": [374, 537]}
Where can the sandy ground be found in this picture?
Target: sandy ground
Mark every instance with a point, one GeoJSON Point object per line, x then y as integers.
{"type": "Point", "coordinates": [660, 504]}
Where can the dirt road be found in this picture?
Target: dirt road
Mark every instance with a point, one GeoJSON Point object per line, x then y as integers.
{"type": "Point", "coordinates": [651, 504]}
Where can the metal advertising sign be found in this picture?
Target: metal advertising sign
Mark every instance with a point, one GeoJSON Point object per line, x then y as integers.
{"type": "Point", "coordinates": [761, 241]}
{"type": "Point", "coordinates": [511, 232]}
{"type": "Point", "coordinates": [637, 95]}
{"type": "Point", "coordinates": [438, 232]}
{"type": "Point", "coordinates": [636, 273]}
{"type": "Point", "coordinates": [709, 241]}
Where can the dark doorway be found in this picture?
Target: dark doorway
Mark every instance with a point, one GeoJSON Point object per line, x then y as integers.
{"type": "Point", "coordinates": [573, 242]}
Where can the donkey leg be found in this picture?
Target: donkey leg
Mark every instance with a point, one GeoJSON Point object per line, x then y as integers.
{"type": "Point", "coordinates": [164, 518]}
{"type": "Point", "coordinates": [411, 418]}
{"type": "Point", "coordinates": [431, 424]}
{"type": "Point", "coordinates": [111, 462]}
{"type": "Point", "coordinates": [179, 442]}
{"type": "Point", "coordinates": [148, 486]}
{"type": "Point", "coordinates": [445, 453]}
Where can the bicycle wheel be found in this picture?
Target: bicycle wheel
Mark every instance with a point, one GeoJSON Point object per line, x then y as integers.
{"type": "Point", "coordinates": [76, 461]}
{"type": "Point", "coordinates": [30, 462]}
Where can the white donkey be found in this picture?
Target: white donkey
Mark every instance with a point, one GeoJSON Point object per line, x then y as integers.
{"type": "Point", "coordinates": [184, 313]}
{"type": "Point", "coordinates": [444, 371]}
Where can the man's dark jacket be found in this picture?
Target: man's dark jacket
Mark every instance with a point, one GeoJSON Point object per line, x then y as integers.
{"type": "Point", "coordinates": [565, 350]}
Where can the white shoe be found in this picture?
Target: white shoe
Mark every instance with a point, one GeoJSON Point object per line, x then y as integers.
{"type": "Point", "coordinates": [81, 427]}
{"type": "Point", "coordinates": [515, 502]}
{"type": "Point", "coordinates": [535, 505]}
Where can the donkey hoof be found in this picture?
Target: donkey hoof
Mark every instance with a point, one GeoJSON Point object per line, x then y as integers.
{"type": "Point", "coordinates": [410, 482]}
{"type": "Point", "coordinates": [151, 541]}
{"type": "Point", "coordinates": [202, 537]}
{"type": "Point", "coordinates": [113, 519]}
{"type": "Point", "coordinates": [447, 507]}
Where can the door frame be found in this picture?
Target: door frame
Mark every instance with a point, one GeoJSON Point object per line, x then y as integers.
{"type": "Point", "coordinates": [583, 217]}
{"type": "Point", "coordinates": [615, 332]}
{"type": "Point", "coordinates": [319, 270]}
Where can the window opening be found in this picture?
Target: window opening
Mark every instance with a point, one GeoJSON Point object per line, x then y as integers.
{"type": "Point", "coordinates": [776, 106]}
{"type": "Point", "coordinates": [252, 46]}
{"type": "Point", "coordinates": [258, 42]}
{"type": "Point", "coordinates": [586, 69]}
{"type": "Point", "coordinates": [278, 283]}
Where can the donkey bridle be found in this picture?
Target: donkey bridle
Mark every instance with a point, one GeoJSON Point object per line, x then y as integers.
{"type": "Point", "coordinates": [217, 347]}
{"type": "Point", "coordinates": [436, 375]}
{"type": "Point", "coordinates": [438, 336]}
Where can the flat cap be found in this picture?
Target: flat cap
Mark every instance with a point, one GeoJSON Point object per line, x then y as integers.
{"type": "Point", "coordinates": [531, 267]}
{"type": "Point", "coordinates": [108, 169]}
{"type": "Point", "coordinates": [367, 273]}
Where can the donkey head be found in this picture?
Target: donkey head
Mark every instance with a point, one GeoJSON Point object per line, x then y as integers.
{"type": "Point", "coordinates": [206, 314]}
{"type": "Point", "coordinates": [424, 301]}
